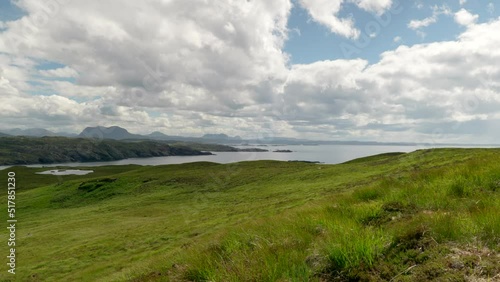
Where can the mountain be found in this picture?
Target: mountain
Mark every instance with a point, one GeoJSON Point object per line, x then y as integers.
{"type": "Point", "coordinates": [220, 137]}
{"type": "Point", "coordinates": [113, 132]}
{"type": "Point", "coordinates": [36, 132]}
{"type": "Point", "coordinates": [157, 135]}
{"type": "Point", "coordinates": [3, 134]}
{"type": "Point", "coordinates": [119, 133]}
{"type": "Point", "coordinates": [215, 136]}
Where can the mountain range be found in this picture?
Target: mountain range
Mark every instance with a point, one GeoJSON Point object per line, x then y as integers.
{"type": "Point", "coordinates": [34, 132]}
{"type": "Point", "coordinates": [119, 133]}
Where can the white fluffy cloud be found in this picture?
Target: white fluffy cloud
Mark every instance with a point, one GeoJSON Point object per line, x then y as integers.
{"type": "Point", "coordinates": [221, 56]}
{"type": "Point", "coordinates": [168, 48]}
{"type": "Point", "coordinates": [326, 12]}
{"type": "Point", "coordinates": [465, 18]}
{"type": "Point", "coordinates": [162, 65]}
{"type": "Point", "coordinates": [375, 6]}
{"type": "Point", "coordinates": [447, 82]}
{"type": "Point", "coordinates": [423, 91]}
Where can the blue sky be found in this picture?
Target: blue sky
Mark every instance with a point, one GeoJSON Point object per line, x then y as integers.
{"type": "Point", "coordinates": [319, 69]}
{"type": "Point", "coordinates": [310, 41]}
{"type": "Point", "coordinates": [9, 11]}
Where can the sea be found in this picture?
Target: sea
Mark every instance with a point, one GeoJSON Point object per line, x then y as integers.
{"type": "Point", "coordinates": [327, 154]}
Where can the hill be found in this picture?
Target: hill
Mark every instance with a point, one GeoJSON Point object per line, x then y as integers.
{"type": "Point", "coordinates": [36, 132]}
{"type": "Point", "coordinates": [221, 136]}
{"type": "Point", "coordinates": [119, 133]}
{"type": "Point", "coordinates": [113, 132]}
{"type": "Point", "coordinates": [47, 150]}
{"type": "Point", "coordinates": [422, 216]}
{"type": "Point", "coordinates": [3, 134]}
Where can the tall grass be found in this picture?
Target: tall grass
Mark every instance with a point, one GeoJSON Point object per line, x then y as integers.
{"type": "Point", "coordinates": [264, 221]}
{"type": "Point", "coordinates": [354, 231]}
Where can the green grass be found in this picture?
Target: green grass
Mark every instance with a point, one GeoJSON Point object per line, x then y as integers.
{"type": "Point", "coordinates": [430, 214]}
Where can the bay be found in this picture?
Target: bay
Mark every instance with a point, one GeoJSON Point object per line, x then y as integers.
{"type": "Point", "coordinates": [328, 154]}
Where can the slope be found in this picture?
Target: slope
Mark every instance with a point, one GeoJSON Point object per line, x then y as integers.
{"type": "Point", "coordinates": [413, 217]}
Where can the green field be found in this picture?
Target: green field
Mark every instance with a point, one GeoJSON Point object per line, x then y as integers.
{"type": "Point", "coordinates": [422, 216]}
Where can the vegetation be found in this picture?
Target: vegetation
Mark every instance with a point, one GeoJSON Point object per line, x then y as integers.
{"type": "Point", "coordinates": [426, 215]}
{"type": "Point", "coordinates": [46, 150]}
{"type": "Point", "coordinates": [212, 147]}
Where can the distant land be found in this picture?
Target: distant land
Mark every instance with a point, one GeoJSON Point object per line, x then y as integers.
{"type": "Point", "coordinates": [35, 132]}
{"type": "Point", "coordinates": [47, 150]}
{"type": "Point", "coordinates": [119, 133]}
{"type": "Point", "coordinates": [24, 150]}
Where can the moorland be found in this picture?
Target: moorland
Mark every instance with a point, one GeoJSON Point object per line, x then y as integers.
{"type": "Point", "coordinates": [420, 216]}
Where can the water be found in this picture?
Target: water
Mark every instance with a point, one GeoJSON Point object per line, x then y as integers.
{"type": "Point", "coordinates": [66, 172]}
{"type": "Point", "coordinates": [328, 154]}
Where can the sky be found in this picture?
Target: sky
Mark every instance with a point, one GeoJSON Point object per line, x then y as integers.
{"type": "Point", "coordinates": [381, 70]}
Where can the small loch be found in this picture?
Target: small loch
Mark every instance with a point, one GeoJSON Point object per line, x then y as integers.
{"type": "Point", "coordinates": [66, 172]}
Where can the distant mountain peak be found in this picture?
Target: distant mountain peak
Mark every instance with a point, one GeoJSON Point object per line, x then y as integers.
{"type": "Point", "coordinates": [112, 132]}
{"type": "Point", "coordinates": [220, 136]}
{"type": "Point", "coordinates": [215, 136]}
{"type": "Point", "coordinates": [36, 132]}
{"type": "Point", "coordinates": [157, 134]}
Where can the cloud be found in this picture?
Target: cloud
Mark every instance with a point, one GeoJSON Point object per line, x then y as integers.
{"type": "Point", "coordinates": [221, 68]}
{"type": "Point", "coordinates": [326, 13]}
{"type": "Point", "coordinates": [193, 59]}
{"type": "Point", "coordinates": [374, 6]}
{"type": "Point", "coordinates": [417, 24]}
{"type": "Point", "coordinates": [465, 18]}
{"type": "Point", "coordinates": [420, 90]}
{"type": "Point", "coordinates": [436, 12]}
{"type": "Point", "coordinates": [6, 89]}
{"type": "Point", "coordinates": [491, 7]}
{"type": "Point", "coordinates": [222, 57]}
{"type": "Point", "coordinates": [60, 72]}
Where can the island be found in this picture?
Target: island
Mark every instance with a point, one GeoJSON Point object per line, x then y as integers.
{"type": "Point", "coordinates": [282, 151]}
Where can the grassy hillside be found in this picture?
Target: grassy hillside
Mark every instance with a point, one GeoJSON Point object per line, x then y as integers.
{"type": "Point", "coordinates": [46, 150]}
{"type": "Point", "coordinates": [427, 215]}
